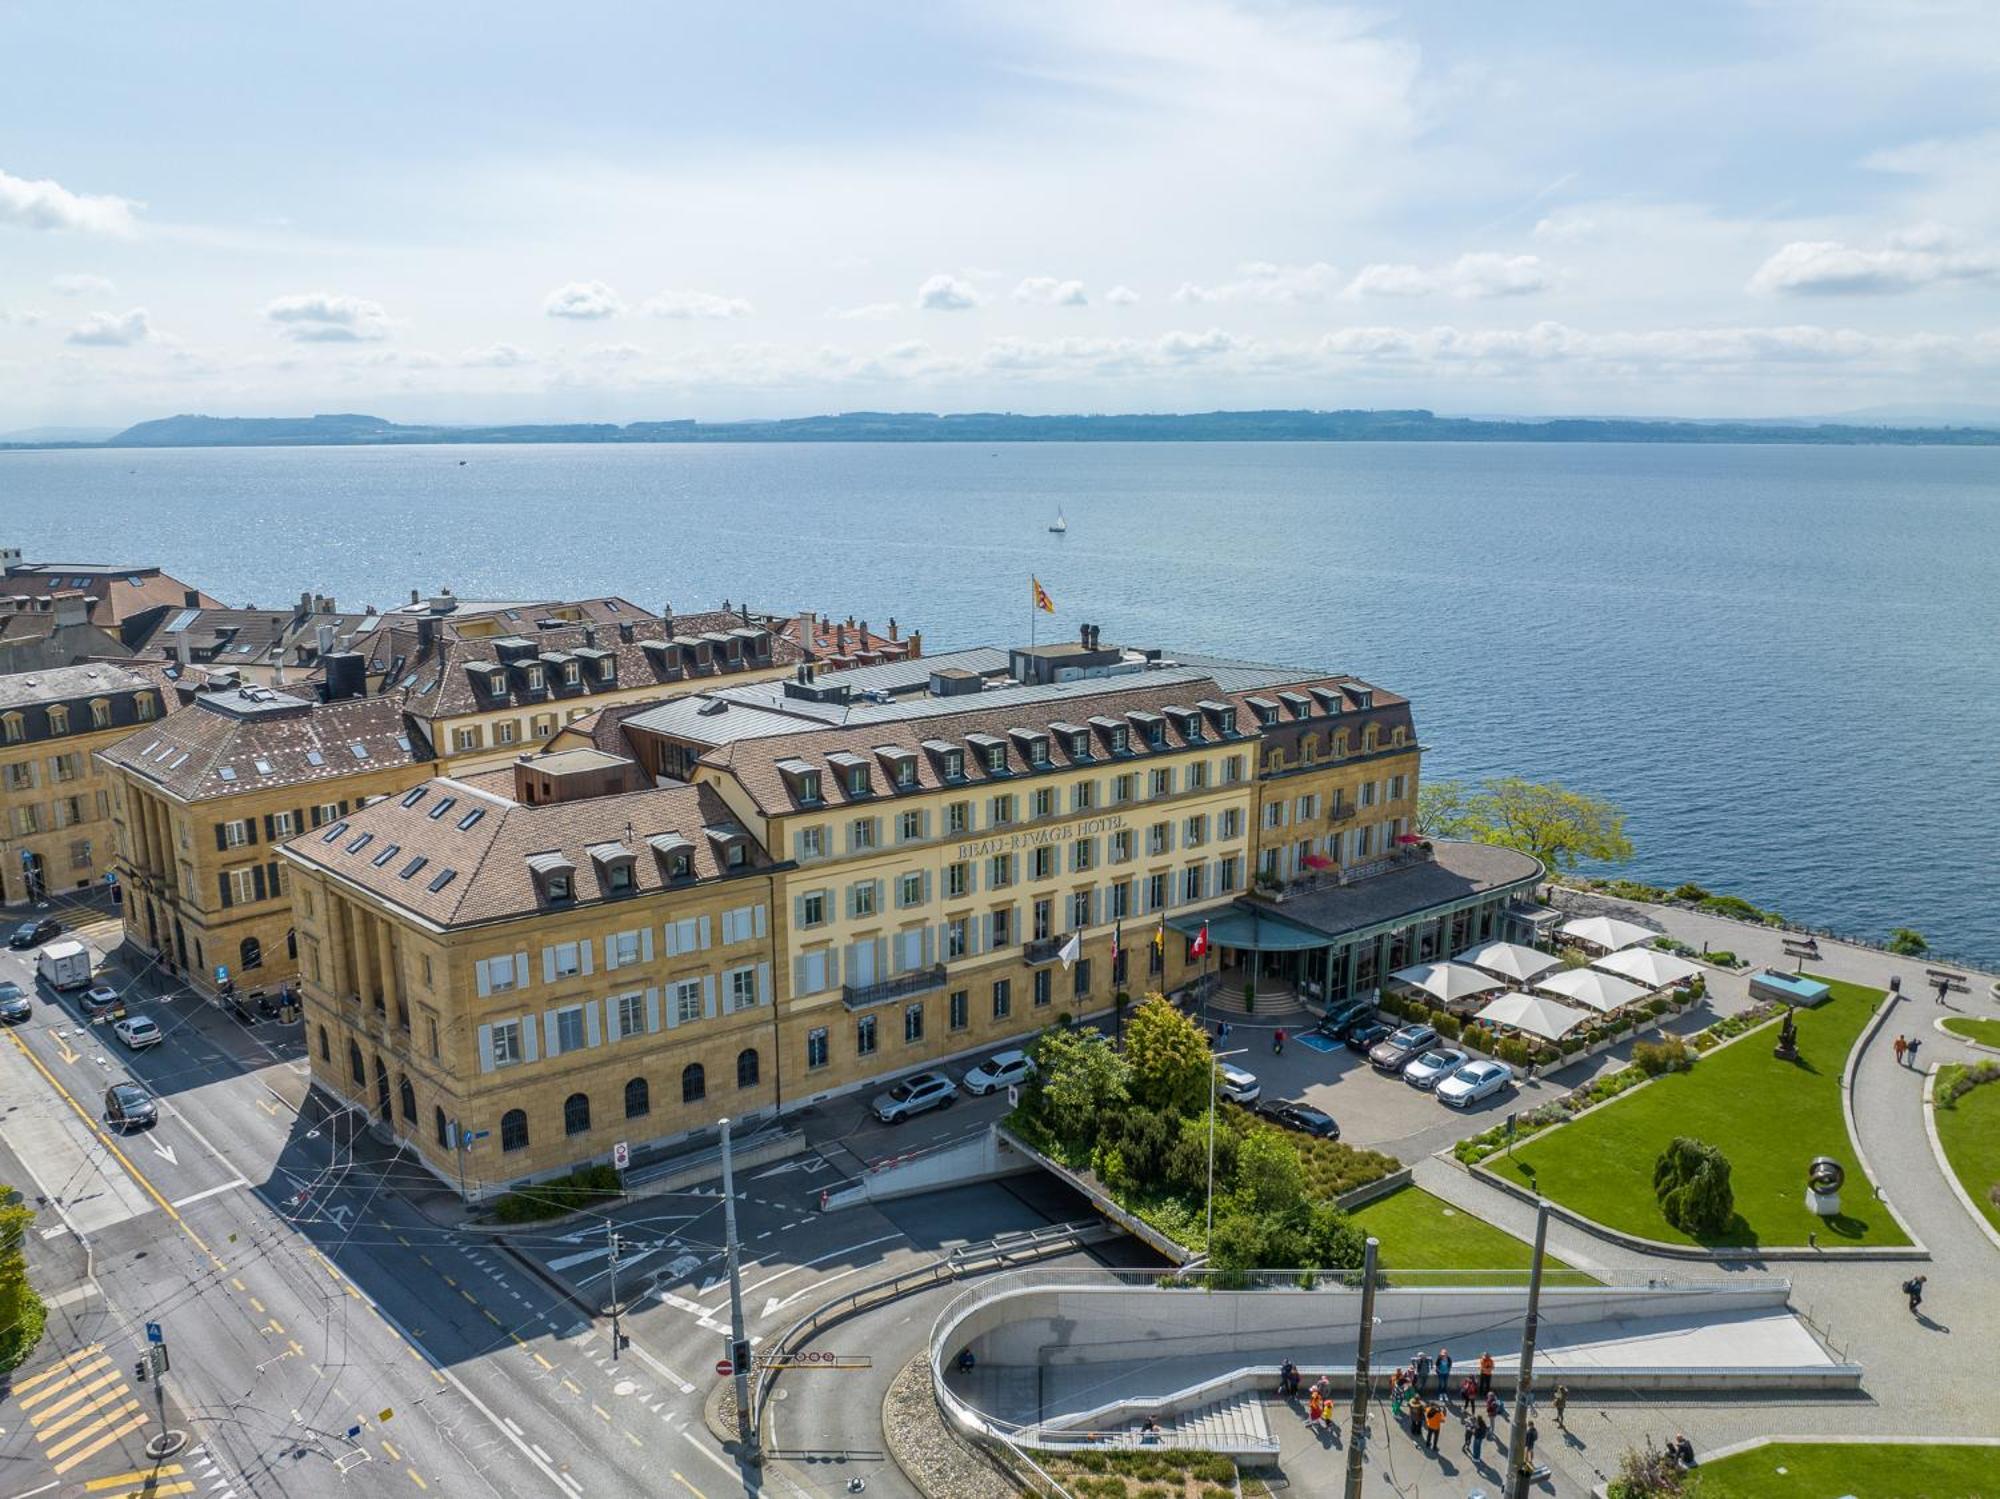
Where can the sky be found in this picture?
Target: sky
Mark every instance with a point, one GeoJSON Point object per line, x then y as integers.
{"type": "Point", "coordinates": [611, 211]}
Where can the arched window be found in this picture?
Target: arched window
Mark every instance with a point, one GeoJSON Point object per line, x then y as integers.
{"type": "Point", "coordinates": [514, 1130]}
{"type": "Point", "coordinates": [746, 1067]}
{"type": "Point", "coordinates": [325, 1046]}
{"type": "Point", "coordinates": [407, 1097]}
{"type": "Point", "coordinates": [443, 1128]}
{"type": "Point", "coordinates": [356, 1066]}
{"type": "Point", "coordinates": [638, 1098]}
{"type": "Point", "coordinates": [694, 1083]}
{"type": "Point", "coordinates": [576, 1113]}
{"type": "Point", "coordinates": [250, 953]}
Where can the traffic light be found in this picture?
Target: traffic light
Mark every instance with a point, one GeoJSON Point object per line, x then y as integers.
{"type": "Point", "coordinates": [139, 1371]}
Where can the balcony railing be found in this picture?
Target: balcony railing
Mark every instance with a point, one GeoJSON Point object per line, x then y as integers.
{"type": "Point", "coordinates": [917, 981]}
{"type": "Point", "coordinates": [1342, 812]}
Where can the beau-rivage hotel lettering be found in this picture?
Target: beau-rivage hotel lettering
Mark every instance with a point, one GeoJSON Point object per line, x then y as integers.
{"type": "Point", "coordinates": [606, 936]}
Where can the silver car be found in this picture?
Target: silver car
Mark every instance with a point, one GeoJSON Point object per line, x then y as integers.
{"type": "Point", "coordinates": [1473, 1082]}
{"type": "Point", "coordinates": [914, 1095]}
{"type": "Point", "coordinates": [1433, 1067]}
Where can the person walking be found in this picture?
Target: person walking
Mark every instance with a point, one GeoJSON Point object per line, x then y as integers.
{"type": "Point", "coordinates": [1486, 1374]}
{"type": "Point", "coordinates": [1561, 1403]}
{"type": "Point", "coordinates": [1528, 1440]}
{"type": "Point", "coordinates": [1915, 1042]}
{"type": "Point", "coordinates": [1914, 1289]}
{"type": "Point", "coordinates": [1902, 1045]}
{"type": "Point", "coordinates": [1443, 1373]}
{"type": "Point", "coordinates": [1479, 1431]}
{"type": "Point", "coordinates": [1278, 1042]}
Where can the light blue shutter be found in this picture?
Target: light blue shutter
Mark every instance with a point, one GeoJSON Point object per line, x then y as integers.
{"type": "Point", "coordinates": [583, 954]}
{"type": "Point", "coordinates": [591, 1034]}
{"type": "Point", "coordinates": [930, 947]}
{"type": "Point", "coordinates": [554, 1044]}
{"type": "Point", "coordinates": [704, 931]}
{"type": "Point", "coordinates": [801, 984]}
{"type": "Point", "coordinates": [646, 944]}
{"type": "Point", "coordinates": [652, 1009]}
{"type": "Point", "coordinates": [531, 1038]}
{"type": "Point", "coordinates": [708, 996]}
{"type": "Point", "coordinates": [673, 936]}
{"type": "Point", "coordinates": [613, 1027]}
{"type": "Point", "coordinates": [548, 965]}
{"type": "Point", "coordinates": [673, 1007]}
{"type": "Point", "coordinates": [759, 920]}
{"type": "Point", "coordinates": [610, 952]}
{"type": "Point", "coordinates": [763, 983]}
{"type": "Point", "coordinates": [520, 970]}
{"type": "Point", "coordinates": [486, 1048]}
{"type": "Point", "coordinates": [485, 976]}
{"type": "Point", "coordinates": [798, 912]}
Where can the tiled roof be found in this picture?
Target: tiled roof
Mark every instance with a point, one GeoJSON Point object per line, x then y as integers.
{"type": "Point", "coordinates": [246, 637]}
{"type": "Point", "coordinates": [227, 744]}
{"type": "Point", "coordinates": [114, 597]}
{"type": "Point", "coordinates": [492, 877]}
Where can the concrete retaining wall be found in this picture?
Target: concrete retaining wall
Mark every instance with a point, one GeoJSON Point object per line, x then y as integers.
{"type": "Point", "coordinates": [984, 1157]}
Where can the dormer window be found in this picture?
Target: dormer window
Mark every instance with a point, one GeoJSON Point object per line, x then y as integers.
{"type": "Point", "coordinates": [803, 779]}
{"type": "Point", "coordinates": [857, 780]}
{"type": "Point", "coordinates": [1226, 720]}
{"type": "Point", "coordinates": [1298, 702]}
{"type": "Point", "coordinates": [557, 886]}
{"type": "Point", "coordinates": [954, 765]}
{"type": "Point", "coordinates": [902, 766]}
{"type": "Point", "coordinates": [555, 875]}
{"type": "Point", "coordinates": [996, 757]}
{"type": "Point", "coordinates": [676, 855]}
{"type": "Point", "coordinates": [1265, 709]}
{"type": "Point", "coordinates": [607, 669]}
{"type": "Point", "coordinates": [1034, 746]}
{"type": "Point", "coordinates": [614, 867]}
{"type": "Point", "coordinates": [535, 678]}
{"type": "Point", "coordinates": [573, 673]}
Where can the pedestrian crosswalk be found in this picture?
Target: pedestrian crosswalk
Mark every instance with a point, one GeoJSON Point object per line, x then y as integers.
{"type": "Point", "coordinates": [141, 1483]}
{"type": "Point", "coordinates": [79, 1406]}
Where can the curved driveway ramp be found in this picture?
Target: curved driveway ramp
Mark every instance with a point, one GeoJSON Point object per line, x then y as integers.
{"type": "Point", "coordinates": [1061, 1357]}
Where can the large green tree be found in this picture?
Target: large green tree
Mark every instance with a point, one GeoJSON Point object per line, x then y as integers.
{"type": "Point", "coordinates": [1559, 826]}
{"type": "Point", "coordinates": [1079, 1080]}
{"type": "Point", "coordinates": [21, 1310]}
{"type": "Point", "coordinates": [1170, 1057]}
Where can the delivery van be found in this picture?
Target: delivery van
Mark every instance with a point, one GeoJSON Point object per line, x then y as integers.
{"type": "Point", "coordinates": [65, 965]}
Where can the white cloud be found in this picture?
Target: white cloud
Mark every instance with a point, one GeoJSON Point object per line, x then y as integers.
{"type": "Point", "coordinates": [942, 293]}
{"type": "Point", "coordinates": [614, 353]}
{"type": "Point", "coordinates": [584, 301]}
{"type": "Point", "coordinates": [867, 311]}
{"type": "Point", "coordinates": [42, 204]}
{"type": "Point", "coordinates": [1121, 296]}
{"type": "Point", "coordinates": [324, 318]}
{"type": "Point", "coordinates": [1919, 257]}
{"type": "Point", "coordinates": [1047, 291]}
{"type": "Point", "coordinates": [696, 305]}
{"type": "Point", "coordinates": [1183, 347]}
{"type": "Point", "coordinates": [81, 285]}
{"type": "Point", "coordinates": [1472, 276]}
{"type": "Point", "coordinates": [27, 317]}
{"type": "Point", "coordinates": [497, 357]}
{"type": "Point", "coordinates": [1566, 226]}
{"type": "Point", "coordinates": [1261, 281]}
{"type": "Point", "coordinates": [113, 330]}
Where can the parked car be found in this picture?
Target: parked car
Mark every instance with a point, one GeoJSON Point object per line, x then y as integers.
{"type": "Point", "coordinates": [1433, 1067]}
{"type": "Point", "coordinates": [1402, 1048]}
{"type": "Point", "coordinates": [914, 1095]}
{"type": "Point", "coordinates": [129, 1106]}
{"type": "Point", "coordinates": [1364, 1035]}
{"type": "Point", "coordinates": [14, 1005]}
{"type": "Point", "coordinates": [1474, 1081]}
{"type": "Point", "coordinates": [34, 932]}
{"type": "Point", "coordinates": [1302, 1117]}
{"type": "Point", "coordinates": [1236, 1085]}
{"type": "Point", "coordinates": [138, 1033]}
{"type": "Point", "coordinates": [99, 998]}
{"type": "Point", "coordinates": [1002, 1070]}
{"type": "Point", "coordinates": [1342, 1018]}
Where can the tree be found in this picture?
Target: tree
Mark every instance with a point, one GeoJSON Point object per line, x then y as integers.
{"type": "Point", "coordinates": [1907, 942]}
{"type": "Point", "coordinates": [1560, 827]}
{"type": "Point", "coordinates": [1077, 1081]}
{"type": "Point", "coordinates": [21, 1310]}
{"type": "Point", "coordinates": [1170, 1059]}
{"type": "Point", "coordinates": [1187, 1158]}
{"type": "Point", "coordinates": [1691, 1179]}
{"type": "Point", "coordinates": [1269, 1178]}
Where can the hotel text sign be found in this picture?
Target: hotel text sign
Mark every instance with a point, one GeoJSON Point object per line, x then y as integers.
{"type": "Point", "coordinates": [1032, 837]}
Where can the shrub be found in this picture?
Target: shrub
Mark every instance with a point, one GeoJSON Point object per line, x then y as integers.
{"type": "Point", "coordinates": [1691, 1179]}
{"type": "Point", "coordinates": [1692, 893]}
{"type": "Point", "coordinates": [1906, 942]}
{"type": "Point", "coordinates": [1651, 1472]}
{"type": "Point", "coordinates": [592, 1186]}
{"type": "Point", "coordinates": [1669, 1054]}
{"type": "Point", "coordinates": [1722, 957]}
{"type": "Point", "coordinates": [1514, 1051]}
{"type": "Point", "coordinates": [1172, 1066]}
{"type": "Point", "coordinates": [1187, 1157]}
{"type": "Point", "coordinates": [1965, 1079]}
{"type": "Point", "coordinates": [1448, 1026]}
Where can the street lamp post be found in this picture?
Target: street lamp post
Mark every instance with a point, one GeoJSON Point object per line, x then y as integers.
{"type": "Point", "coordinates": [1214, 1057]}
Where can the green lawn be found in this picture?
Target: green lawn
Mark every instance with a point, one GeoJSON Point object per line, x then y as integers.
{"type": "Point", "coordinates": [1969, 1130]}
{"type": "Point", "coordinates": [1822, 1470]}
{"type": "Point", "coordinates": [1974, 1028]}
{"type": "Point", "coordinates": [1422, 1232]}
{"type": "Point", "coordinates": [1769, 1117]}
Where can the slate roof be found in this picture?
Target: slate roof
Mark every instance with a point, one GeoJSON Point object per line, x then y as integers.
{"type": "Point", "coordinates": [68, 684]}
{"type": "Point", "coordinates": [247, 637]}
{"type": "Point", "coordinates": [222, 743]}
{"type": "Point", "coordinates": [1456, 871]}
{"type": "Point", "coordinates": [492, 877]}
{"type": "Point", "coordinates": [115, 595]}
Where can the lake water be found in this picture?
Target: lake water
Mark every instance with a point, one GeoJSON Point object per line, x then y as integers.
{"type": "Point", "coordinates": [1784, 662]}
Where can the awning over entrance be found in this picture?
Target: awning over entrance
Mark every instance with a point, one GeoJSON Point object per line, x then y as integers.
{"type": "Point", "coordinates": [1254, 931]}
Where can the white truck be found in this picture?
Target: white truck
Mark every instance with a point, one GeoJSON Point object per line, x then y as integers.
{"type": "Point", "coordinates": [65, 965]}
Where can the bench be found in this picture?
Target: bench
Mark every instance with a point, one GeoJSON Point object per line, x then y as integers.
{"type": "Point", "coordinates": [1953, 982]}
{"type": "Point", "coordinates": [1802, 947]}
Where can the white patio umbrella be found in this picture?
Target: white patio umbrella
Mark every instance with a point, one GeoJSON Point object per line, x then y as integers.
{"type": "Point", "coordinates": [1648, 966]}
{"type": "Point", "coordinates": [1446, 982]}
{"type": "Point", "coordinates": [1607, 932]}
{"type": "Point", "coordinates": [1533, 1014]}
{"type": "Point", "coordinates": [1509, 960]}
{"type": "Point", "coordinates": [1586, 986]}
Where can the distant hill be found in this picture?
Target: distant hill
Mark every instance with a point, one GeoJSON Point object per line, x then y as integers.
{"type": "Point", "coordinates": [995, 427]}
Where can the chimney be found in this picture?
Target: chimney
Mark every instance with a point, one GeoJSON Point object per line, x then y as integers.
{"type": "Point", "coordinates": [892, 627]}
{"type": "Point", "coordinates": [808, 638]}
{"type": "Point", "coordinates": [667, 619]}
{"type": "Point", "coordinates": [840, 640]}
{"type": "Point", "coordinates": [305, 603]}
{"type": "Point", "coordinates": [426, 636]}
{"type": "Point", "coordinates": [416, 596]}
{"type": "Point", "coordinates": [861, 638]}
{"type": "Point", "coordinates": [191, 599]}
{"type": "Point", "coordinates": [624, 632]}
{"type": "Point", "coordinates": [325, 633]}
{"type": "Point", "coordinates": [181, 649]}
{"type": "Point", "coordinates": [1083, 636]}
{"type": "Point", "coordinates": [71, 609]}
{"type": "Point", "coordinates": [590, 636]}
{"type": "Point", "coordinates": [744, 610]}
{"type": "Point", "coordinates": [916, 645]}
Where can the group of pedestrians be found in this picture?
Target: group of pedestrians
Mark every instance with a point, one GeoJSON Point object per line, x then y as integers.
{"type": "Point", "coordinates": [1906, 1050]}
{"type": "Point", "coordinates": [1319, 1399]}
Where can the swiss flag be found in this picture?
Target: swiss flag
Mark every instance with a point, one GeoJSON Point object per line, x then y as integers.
{"type": "Point", "coordinates": [1200, 945]}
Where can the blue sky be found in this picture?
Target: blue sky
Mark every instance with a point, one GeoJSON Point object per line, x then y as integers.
{"type": "Point", "coordinates": [610, 211]}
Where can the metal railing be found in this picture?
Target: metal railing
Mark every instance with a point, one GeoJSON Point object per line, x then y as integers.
{"type": "Point", "coordinates": [918, 981]}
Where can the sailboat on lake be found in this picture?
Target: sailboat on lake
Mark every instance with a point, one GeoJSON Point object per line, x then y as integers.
{"type": "Point", "coordinates": [1061, 523]}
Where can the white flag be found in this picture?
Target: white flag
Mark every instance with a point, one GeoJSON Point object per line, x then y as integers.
{"type": "Point", "coordinates": [1072, 949]}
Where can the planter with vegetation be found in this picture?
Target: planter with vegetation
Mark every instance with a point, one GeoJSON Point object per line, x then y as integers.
{"type": "Point", "coordinates": [1976, 1029]}
{"type": "Point", "coordinates": [590, 1187]}
{"type": "Point", "coordinates": [1162, 1474]}
{"type": "Point", "coordinates": [1137, 1122]}
{"type": "Point", "coordinates": [1968, 1128]}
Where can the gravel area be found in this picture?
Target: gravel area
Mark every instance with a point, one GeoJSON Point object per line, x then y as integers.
{"type": "Point", "coordinates": [942, 1464]}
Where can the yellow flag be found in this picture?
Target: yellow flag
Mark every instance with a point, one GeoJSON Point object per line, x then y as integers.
{"type": "Point", "coordinates": [1039, 595]}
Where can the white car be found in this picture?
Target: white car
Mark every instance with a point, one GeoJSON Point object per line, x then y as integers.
{"type": "Point", "coordinates": [1433, 1067]}
{"type": "Point", "coordinates": [1002, 1070]}
{"type": "Point", "coordinates": [1474, 1081]}
{"type": "Point", "coordinates": [137, 1032]}
{"type": "Point", "coordinates": [1236, 1085]}
{"type": "Point", "coordinates": [913, 1095]}
{"type": "Point", "coordinates": [99, 998]}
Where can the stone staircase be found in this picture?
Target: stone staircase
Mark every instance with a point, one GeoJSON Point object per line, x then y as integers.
{"type": "Point", "coordinates": [1234, 1424]}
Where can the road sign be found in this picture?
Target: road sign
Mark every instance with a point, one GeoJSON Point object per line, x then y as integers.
{"type": "Point", "coordinates": [724, 1367]}
{"type": "Point", "coordinates": [1013, 1094]}
{"type": "Point", "coordinates": [815, 1358]}
{"type": "Point", "coordinates": [385, 1413]}
{"type": "Point", "coordinates": [160, 1364]}
{"type": "Point", "coordinates": [222, 973]}
{"type": "Point", "coordinates": [621, 1155]}
{"type": "Point", "coordinates": [471, 1137]}
{"type": "Point", "coordinates": [153, 1333]}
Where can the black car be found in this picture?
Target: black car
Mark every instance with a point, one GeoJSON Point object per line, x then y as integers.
{"type": "Point", "coordinates": [1365, 1035]}
{"type": "Point", "coordinates": [1342, 1018]}
{"type": "Point", "coordinates": [34, 933]}
{"type": "Point", "coordinates": [14, 1005]}
{"type": "Point", "coordinates": [1302, 1117]}
{"type": "Point", "coordinates": [129, 1106]}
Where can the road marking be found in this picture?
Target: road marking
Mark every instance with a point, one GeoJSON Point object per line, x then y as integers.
{"type": "Point", "coordinates": [95, 1407]}
{"type": "Point", "coordinates": [633, 1440]}
{"type": "Point", "coordinates": [544, 1363]}
{"type": "Point", "coordinates": [661, 1369]}
{"type": "Point", "coordinates": [831, 1254]}
{"type": "Point", "coordinates": [67, 1365]}
{"type": "Point", "coordinates": [416, 1478]}
{"type": "Point", "coordinates": [394, 1455]}
{"type": "Point", "coordinates": [572, 1386]}
{"type": "Point", "coordinates": [536, 1449]}
{"type": "Point", "coordinates": [257, 1305]}
{"type": "Point", "coordinates": [698, 1494]}
{"type": "Point", "coordinates": [165, 1152]}
{"type": "Point", "coordinates": [181, 1202]}
{"type": "Point", "coordinates": [514, 1425]}
{"type": "Point", "coordinates": [137, 1418]}
{"type": "Point", "coordinates": [137, 1475]}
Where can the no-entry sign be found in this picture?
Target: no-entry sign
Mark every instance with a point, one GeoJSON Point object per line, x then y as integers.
{"type": "Point", "coordinates": [724, 1367]}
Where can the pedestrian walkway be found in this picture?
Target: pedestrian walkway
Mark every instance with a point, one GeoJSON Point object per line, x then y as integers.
{"type": "Point", "coordinates": [78, 1406]}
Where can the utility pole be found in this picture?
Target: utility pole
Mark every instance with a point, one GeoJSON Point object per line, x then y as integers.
{"type": "Point", "coordinates": [739, 1345]}
{"type": "Point", "coordinates": [1357, 1421]}
{"type": "Point", "coordinates": [617, 1337]}
{"type": "Point", "coordinates": [1517, 1484]}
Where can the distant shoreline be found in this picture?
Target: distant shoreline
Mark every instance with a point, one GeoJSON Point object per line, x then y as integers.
{"type": "Point", "coordinates": [992, 427]}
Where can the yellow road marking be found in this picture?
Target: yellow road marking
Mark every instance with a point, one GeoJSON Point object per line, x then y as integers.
{"type": "Point", "coordinates": [698, 1494]}
{"type": "Point", "coordinates": [416, 1478]}
{"type": "Point", "coordinates": [296, 1347]}
{"type": "Point", "coordinates": [108, 1418]}
{"type": "Point", "coordinates": [257, 1305]}
{"type": "Point", "coordinates": [237, 1281]}
{"type": "Point", "coordinates": [107, 1377]}
{"type": "Point", "coordinates": [137, 1475]}
{"type": "Point", "coordinates": [572, 1386]}
{"type": "Point", "coordinates": [63, 1048]}
{"type": "Point", "coordinates": [489, 1316]}
{"type": "Point", "coordinates": [544, 1362]}
{"type": "Point", "coordinates": [450, 1282]}
{"type": "Point", "coordinates": [91, 1408]}
{"type": "Point", "coordinates": [394, 1455]}
{"type": "Point", "coordinates": [402, 1241]}
{"type": "Point", "coordinates": [60, 1366]}
{"type": "Point", "coordinates": [117, 1433]}
{"type": "Point", "coordinates": [602, 1411]}
{"type": "Point", "coordinates": [155, 1491]}
{"type": "Point", "coordinates": [633, 1440]}
{"type": "Point", "coordinates": [468, 1296]}
{"type": "Point", "coordinates": [517, 1337]}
